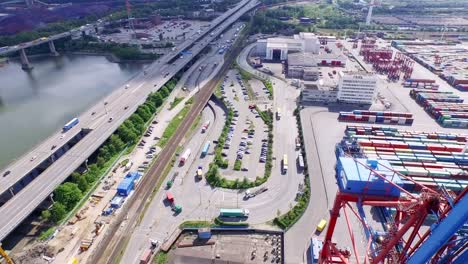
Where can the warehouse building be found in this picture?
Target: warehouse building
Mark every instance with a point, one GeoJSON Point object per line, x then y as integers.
{"type": "Point", "coordinates": [356, 87]}
{"type": "Point", "coordinates": [276, 49]}
{"type": "Point", "coordinates": [302, 66]}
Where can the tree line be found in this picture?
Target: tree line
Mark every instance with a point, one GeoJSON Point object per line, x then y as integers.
{"type": "Point", "coordinates": [70, 193]}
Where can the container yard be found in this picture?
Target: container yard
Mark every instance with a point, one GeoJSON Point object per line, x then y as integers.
{"type": "Point", "coordinates": [446, 108]}
{"type": "Point", "coordinates": [447, 60]}
{"type": "Point", "coordinates": [377, 117]}
{"type": "Point", "coordinates": [431, 159]}
{"type": "Point", "coordinates": [384, 61]}
{"type": "Point", "coordinates": [399, 179]}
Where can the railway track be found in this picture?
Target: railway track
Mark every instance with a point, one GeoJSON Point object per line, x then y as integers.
{"type": "Point", "coordinates": [117, 235]}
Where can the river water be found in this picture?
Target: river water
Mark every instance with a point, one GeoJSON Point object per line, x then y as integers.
{"type": "Point", "coordinates": [35, 104]}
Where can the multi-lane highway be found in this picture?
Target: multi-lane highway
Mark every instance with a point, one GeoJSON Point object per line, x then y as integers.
{"type": "Point", "coordinates": [114, 106]}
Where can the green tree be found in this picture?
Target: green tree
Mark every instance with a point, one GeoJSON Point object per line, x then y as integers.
{"type": "Point", "coordinates": [117, 143]}
{"type": "Point", "coordinates": [100, 162]}
{"type": "Point", "coordinates": [68, 194]}
{"type": "Point", "coordinates": [45, 215]}
{"type": "Point", "coordinates": [151, 107]}
{"type": "Point", "coordinates": [57, 212]}
{"type": "Point", "coordinates": [138, 122]}
{"type": "Point", "coordinates": [126, 134]}
{"type": "Point", "coordinates": [144, 112]}
{"type": "Point", "coordinates": [82, 183]}
{"type": "Point", "coordinates": [157, 99]}
{"type": "Point", "coordinates": [106, 151]}
{"type": "Point", "coordinates": [164, 91]}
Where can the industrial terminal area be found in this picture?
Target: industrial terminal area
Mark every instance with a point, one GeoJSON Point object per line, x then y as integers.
{"type": "Point", "coordinates": [242, 144]}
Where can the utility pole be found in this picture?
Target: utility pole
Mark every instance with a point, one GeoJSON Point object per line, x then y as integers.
{"type": "Point", "coordinates": [369, 13]}
{"type": "Point", "coordinates": [130, 18]}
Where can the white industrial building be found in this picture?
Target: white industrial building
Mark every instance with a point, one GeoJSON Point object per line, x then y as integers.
{"type": "Point", "coordinates": [344, 87]}
{"type": "Point", "coordinates": [318, 92]}
{"type": "Point", "coordinates": [356, 87]}
{"type": "Point", "coordinates": [278, 48]}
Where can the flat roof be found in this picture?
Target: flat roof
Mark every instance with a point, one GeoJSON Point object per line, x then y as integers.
{"type": "Point", "coordinates": [302, 59]}
{"type": "Point", "coordinates": [358, 172]}
{"type": "Point", "coordinates": [277, 45]}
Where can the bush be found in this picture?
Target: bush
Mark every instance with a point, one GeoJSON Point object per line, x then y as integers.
{"type": "Point", "coordinates": [237, 165]}
{"type": "Point", "coordinates": [224, 223]}
{"type": "Point", "coordinates": [57, 212]}
{"type": "Point", "coordinates": [269, 86]}
{"type": "Point", "coordinates": [195, 224]}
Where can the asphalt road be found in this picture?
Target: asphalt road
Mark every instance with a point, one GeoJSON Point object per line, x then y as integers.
{"type": "Point", "coordinates": [23, 203]}
{"type": "Point", "coordinates": [115, 238]}
{"type": "Point", "coordinates": [200, 201]}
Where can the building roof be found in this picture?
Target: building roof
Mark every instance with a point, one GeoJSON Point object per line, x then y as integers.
{"type": "Point", "coordinates": [277, 45]}
{"type": "Point", "coordinates": [356, 171]}
{"type": "Point", "coordinates": [302, 59]}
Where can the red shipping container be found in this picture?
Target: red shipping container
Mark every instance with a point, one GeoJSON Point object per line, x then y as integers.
{"type": "Point", "coordinates": [432, 166]}
{"type": "Point", "coordinates": [385, 149]}
{"type": "Point", "coordinates": [400, 145]}
{"type": "Point", "coordinates": [454, 148]}
{"type": "Point", "coordinates": [436, 147]}
{"type": "Point", "coordinates": [365, 143]}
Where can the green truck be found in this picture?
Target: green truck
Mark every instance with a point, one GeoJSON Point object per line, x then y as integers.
{"type": "Point", "coordinates": [234, 212]}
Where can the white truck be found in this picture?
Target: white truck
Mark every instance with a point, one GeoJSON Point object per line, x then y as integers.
{"type": "Point", "coordinates": [252, 193]}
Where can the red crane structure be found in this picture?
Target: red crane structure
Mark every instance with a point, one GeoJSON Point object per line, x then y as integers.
{"type": "Point", "coordinates": [405, 235]}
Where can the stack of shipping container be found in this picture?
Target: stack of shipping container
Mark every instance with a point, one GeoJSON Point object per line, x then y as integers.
{"type": "Point", "coordinates": [377, 117]}
{"type": "Point", "coordinates": [432, 159]}
{"type": "Point", "coordinates": [447, 108]}
{"type": "Point", "coordinates": [421, 84]}
{"type": "Point", "coordinates": [462, 87]}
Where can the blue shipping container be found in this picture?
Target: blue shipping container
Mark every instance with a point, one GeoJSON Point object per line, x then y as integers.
{"type": "Point", "coordinates": [133, 175]}
{"type": "Point", "coordinates": [125, 187]}
{"type": "Point", "coordinates": [117, 201]}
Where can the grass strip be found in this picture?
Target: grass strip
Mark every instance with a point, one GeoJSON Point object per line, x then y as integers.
{"type": "Point", "coordinates": [176, 101]}
{"type": "Point", "coordinates": [173, 125]}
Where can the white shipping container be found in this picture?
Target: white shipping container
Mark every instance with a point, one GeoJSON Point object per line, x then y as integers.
{"type": "Point", "coordinates": [372, 118]}
{"type": "Point", "coordinates": [402, 121]}
{"type": "Point", "coordinates": [417, 171]}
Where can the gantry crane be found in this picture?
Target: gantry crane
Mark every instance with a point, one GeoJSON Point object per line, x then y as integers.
{"type": "Point", "coordinates": [445, 241]}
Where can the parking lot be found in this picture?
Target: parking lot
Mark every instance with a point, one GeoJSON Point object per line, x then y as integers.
{"type": "Point", "coordinates": [175, 31]}
{"type": "Point", "coordinates": [247, 138]}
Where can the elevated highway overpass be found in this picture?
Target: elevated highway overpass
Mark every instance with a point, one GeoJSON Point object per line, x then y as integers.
{"type": "Point", "coordinates": [35, 176]}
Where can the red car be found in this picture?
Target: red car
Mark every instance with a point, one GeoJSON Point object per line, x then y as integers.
{"type": "Point", "coordinates": [252, 106]}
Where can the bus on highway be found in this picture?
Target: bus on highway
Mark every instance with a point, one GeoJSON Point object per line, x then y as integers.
{"type": "Point", "coordinates": [300, 161]}
{"type": "Point", "coordinates": [237, 212]}
{"type": "Point", "coordinates": [205, 149]}
{"type": "Point", "coordinates": [285, 163]}
{"type": "Point", "coordinates": [70, 124]}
